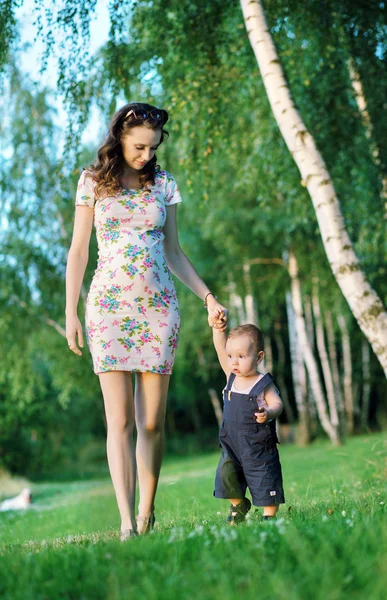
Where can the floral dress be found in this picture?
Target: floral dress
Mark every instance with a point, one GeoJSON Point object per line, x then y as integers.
{"type": "Point", "coordinates": [132, 313]}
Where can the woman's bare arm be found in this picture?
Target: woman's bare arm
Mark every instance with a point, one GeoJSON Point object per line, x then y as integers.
{"type": "Point", "coordinates": [180, 265]}
{"type": "Point", "coordinates": [76, 265]}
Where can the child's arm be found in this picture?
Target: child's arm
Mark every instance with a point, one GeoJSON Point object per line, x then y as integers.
{"type": "Point", "coordinates": [219, 338]}
{"type": "Point", "coordinates": [274, 405]}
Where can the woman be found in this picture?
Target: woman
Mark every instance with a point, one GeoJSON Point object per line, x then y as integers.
{"type": "Point", "coordinates": [132, 314]}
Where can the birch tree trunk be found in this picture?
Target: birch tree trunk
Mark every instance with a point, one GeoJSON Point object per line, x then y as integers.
{"type": "Point", "coordinates": [250, 306]}
{"type": "Point", "coordinates": [365, 405]}
{"type": "Point", "coordinates": [347, 379]}
{"type": "Point", "coordinates": [298, 375]}
{"type": "Point", "coordinates": [328, 379]}
{"type": "Point", "coordinates": [365, 115]}
{"type": "Point", "coordinates": [237, 309]}
{"type": "Point", "coordinates": [335, 370]}
{"type": "Point", "coordinates": [268, 360]}
{"type": "Point", "coordinates": [309, 358]}
{"type": "Point", "coordinates": [365, 304]}
{"type": "Point", "coordinates": [309, 321]}
{"type": "Point", "coordinates": [251, 316]}
{"type": "Point", "coordinates": [311, 337]}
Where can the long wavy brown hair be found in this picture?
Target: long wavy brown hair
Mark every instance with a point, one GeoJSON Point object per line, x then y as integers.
{"type": "Point", "coordinates": [109, 166]}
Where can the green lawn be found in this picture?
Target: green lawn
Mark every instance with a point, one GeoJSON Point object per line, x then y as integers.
{"type": "Point", "coordinates": [329, 541]}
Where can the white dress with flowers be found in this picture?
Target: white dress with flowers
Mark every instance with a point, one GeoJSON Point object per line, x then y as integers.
{"type": "Point", "coordinates": [132, 314]}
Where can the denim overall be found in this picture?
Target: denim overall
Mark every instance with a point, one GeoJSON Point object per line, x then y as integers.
{"type": "Point", "coordinates": [249, 449]}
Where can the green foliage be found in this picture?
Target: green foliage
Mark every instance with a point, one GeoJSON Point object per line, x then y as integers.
{"type": "Point", "coordinates": [46, 396]}
{"type": "Point", "coordinates": [316, 43]}
{"type": "Point", "coordinates": [8, 28]}
{"type": "Point", "coordinates": [242, 195]}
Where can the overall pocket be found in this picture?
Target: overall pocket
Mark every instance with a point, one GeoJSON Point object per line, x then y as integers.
{"type": "Point", "coordinates": [256, 442]}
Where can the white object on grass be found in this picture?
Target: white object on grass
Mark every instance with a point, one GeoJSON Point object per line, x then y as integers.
{"type": "Point", "coordinates": [20, 502]}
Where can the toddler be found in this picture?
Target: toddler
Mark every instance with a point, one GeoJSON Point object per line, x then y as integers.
{"type": "Point", "coordinates": [247, 434]}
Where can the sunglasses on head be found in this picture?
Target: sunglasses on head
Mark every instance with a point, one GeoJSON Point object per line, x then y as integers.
{"type": "Point", "coordinates": [141, 115]}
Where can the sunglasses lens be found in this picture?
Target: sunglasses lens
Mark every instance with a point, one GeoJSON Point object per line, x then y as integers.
{"type": "Point", "coordinates": [152, 114]}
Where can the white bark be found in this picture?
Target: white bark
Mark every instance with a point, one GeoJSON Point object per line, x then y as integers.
{"type": "Point", "coordinates": [365, 115]}
{"type": "Point", "coordinates": [268, 361]}
{"type": "Point", "coordinates": [250, 306]}
{"type": "Point", "coordinates": [334, 367]}
{"type": "Point", "coordinates": [366, 391]}
{"type": "Point", "coordinates": [298, 375]}
{"type": "Point", "coordinates": [237, 309]}
{"type": "Point", "coordinates": [251, 316]}
{"type": "Point", "coordinates": [365, 305]}
{"type": "Point", "coordinates": [328, 379]}
{"type": "Point", "coordinates": [347, 379]}
{"type": "Point", "coordinates": [309, 359]}
{"type": "Point", "coordinates": [311, 337]}
{"type": "Point", "coordinates": [309, 321]}
{"type": "Point", "coordinates": [296, 358]}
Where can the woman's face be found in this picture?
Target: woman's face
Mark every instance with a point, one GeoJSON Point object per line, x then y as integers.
{"type": "Point", "coordinates": [139, 146]}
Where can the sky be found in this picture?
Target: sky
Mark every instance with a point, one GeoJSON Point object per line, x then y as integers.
{"type": "Point", "coordinates": [99, 30]}
{"type": "Point", "coordinates": [30, 63]}
{"type": "Point", "coordinates": [31, 58]}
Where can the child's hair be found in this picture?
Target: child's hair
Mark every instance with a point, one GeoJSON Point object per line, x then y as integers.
{"type": "Point", "coordinates": [255, 335]}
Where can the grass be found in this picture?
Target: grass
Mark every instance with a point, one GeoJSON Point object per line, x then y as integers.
{"type": "Point", "coordinates": [328, 543]}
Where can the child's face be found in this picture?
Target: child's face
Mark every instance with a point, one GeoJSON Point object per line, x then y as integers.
{"type": "Point", "coordinates": [242, 356]}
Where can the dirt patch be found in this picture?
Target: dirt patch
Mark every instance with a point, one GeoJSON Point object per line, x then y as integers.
{"type": "Point", "coordinates": [11, 486]}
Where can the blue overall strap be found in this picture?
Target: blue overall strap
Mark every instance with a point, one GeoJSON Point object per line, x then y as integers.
{"type": "Point", "coordinates": [230, 381]}
{"type": "Point", "coordinates": [261, 384]}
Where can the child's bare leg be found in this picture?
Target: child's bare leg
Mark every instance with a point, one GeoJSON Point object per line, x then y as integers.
{"type": "Point", "coordinates": [236, 501]}
{"type": "Point", "coordinates": [270, 511]}
{"type": "Point", "coordinates": [239, 507]}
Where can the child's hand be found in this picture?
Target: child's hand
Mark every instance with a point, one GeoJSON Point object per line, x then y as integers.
{"type": "Point", "coordinates": [213, 316]}
{"type": "Point", "coordinates": [262, 415]}
{"type": "Point", "coordinates": [218, 319]}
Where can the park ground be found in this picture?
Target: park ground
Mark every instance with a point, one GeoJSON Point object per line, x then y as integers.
{"type": "Point", "coordinates": [329, 541]}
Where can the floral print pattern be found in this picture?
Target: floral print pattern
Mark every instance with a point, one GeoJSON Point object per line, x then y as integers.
{"type": "Point", "coordinates": [132, 313]}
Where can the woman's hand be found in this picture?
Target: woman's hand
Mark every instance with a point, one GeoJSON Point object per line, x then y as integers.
{"type": "Point", "coordinates": [74, 330]}
{"type": "Point", "coordinates": [217, 314]}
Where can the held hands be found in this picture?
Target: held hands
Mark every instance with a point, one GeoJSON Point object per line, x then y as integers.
{"type": "Point", "coordinates": [262, 415]}
{"type": "Point", "coordinates": [217, 317]}
{"type": "Point", "coordinates": [74, 330]}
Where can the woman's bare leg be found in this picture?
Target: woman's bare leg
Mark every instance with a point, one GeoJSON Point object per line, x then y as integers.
{"type": "Point", "coordinates": [119, 408]}
{"type": "Point", "coordinates": [150, 401]}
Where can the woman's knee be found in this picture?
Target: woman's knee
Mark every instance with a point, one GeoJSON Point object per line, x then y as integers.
{"type": "Point", "coordinates": [119, 424]}
{"type": "Point", "coordinates": [150, 428]}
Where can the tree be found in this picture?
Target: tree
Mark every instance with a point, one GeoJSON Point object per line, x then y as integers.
{"type": "Point", "coordinates": [362, 299]}
{"type": "Point", "coordinates": [243, 205]}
